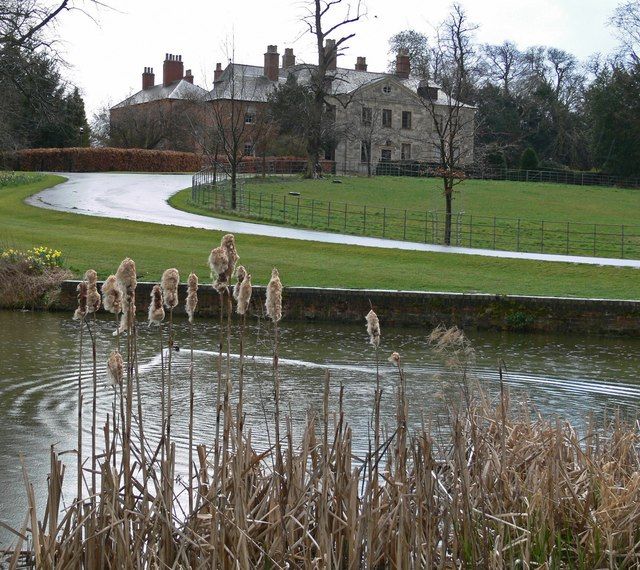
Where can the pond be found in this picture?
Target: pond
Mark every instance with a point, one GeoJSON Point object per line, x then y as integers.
{"type": "Point", "coordinates": [573, 377]}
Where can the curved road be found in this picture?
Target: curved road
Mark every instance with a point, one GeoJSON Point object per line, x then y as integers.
{"type": "Point", "coordinates": [143, 197]}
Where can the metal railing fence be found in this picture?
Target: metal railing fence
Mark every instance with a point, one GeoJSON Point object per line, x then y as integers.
{"type": "Point", "coordinates": [213, 191]}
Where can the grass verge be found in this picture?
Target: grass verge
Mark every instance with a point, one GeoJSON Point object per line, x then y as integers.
{"type": "Point", "coordinates": [101, 243]}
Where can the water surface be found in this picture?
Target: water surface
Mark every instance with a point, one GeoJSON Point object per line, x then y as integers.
{"type": "Point", "coordinates": [573, 377]}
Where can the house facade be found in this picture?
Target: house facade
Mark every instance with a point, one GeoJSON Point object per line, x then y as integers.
{"type": "Point", "coordinates": [377, 116]}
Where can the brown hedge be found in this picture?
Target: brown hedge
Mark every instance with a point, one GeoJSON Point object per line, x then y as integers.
{"type": "Point", "coordinates": [137, 160]}
{"type": "Point", "coordinates": [100, 160]}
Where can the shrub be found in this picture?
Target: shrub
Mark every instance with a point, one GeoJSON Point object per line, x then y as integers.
{"type": "Point", "coordinates": [100, 160]}
{"type": "Point", "coordinates": [529, 159]}
{"type": "Point", "coordinates": [30, 277]}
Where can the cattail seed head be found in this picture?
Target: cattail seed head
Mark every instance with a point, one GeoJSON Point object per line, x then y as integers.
{"type": "Point", "coordinates": [373, 328]}
{"type": "Point", "coordinates": [126, 277]}
{"type": "Point", "coordinates": [395, 359]}
{"type": "Point", "coordinates": [111, 295]}
{"type": "Point", "coordinates": [93, 297]}
{"type": "Point", "coordinates": [169, 284]}
{"type": "Point", "coordinates": [241, 273]}
{"type": "Point", "coordinates": [274, 297]}
{"type": "Point", "coordinates": [244, 294]}
{"type": "Point", "coordinates": [156, 310]}
{"type": "Point", "coordinates": [219, 264]}
{"type": "Point", "coordinates": [81, 311]}
{"type": "Point", "coordinates": [229, 244]}
{"type": "Point", "coordinates": [115, 369]}
{"type": "Point", "coordinates": [192, 296]}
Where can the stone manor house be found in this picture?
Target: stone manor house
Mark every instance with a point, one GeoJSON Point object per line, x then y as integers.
{"type": "Point", "coordinates": [378, 116]}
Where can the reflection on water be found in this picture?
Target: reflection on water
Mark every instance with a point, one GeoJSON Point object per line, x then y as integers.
{"type": "Point", "coordinates": [569, 376]}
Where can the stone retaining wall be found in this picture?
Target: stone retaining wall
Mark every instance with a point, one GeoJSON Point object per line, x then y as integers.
{"type": "Point", "coordinates": [427, 309]}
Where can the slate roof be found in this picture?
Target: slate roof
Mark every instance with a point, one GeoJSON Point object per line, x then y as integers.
{"type": "Point", "coordinates": [251, 85]}
{"type": "Point", "coordinates": [177, 90]}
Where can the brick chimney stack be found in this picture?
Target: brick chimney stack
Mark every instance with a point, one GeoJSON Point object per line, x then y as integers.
{"type": "Point", "coordinates": [403, 66]}
{"type": "Point", "coordinates": [361, 64]}
{"type": "Point", "coordinates": [172, 69]}
{"type": "Point", "coordinates": [148, 78]}
{"type": "Point", "coordinates": [218, 72]}
{"type": "Point", "coordinates": [271, 62]}
{"type": "Point", "coordinates": [330, 52]}
{"type": "Point", "coordinates": [188, 76]}
{"type": "Point", "coordinates": [288, 59]}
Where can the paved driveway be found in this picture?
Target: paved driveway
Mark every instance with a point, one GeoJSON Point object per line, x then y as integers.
{"type": "Point", "coordinates": [143, 197]}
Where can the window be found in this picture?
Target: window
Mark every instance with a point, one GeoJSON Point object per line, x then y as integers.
{"type": "Point", "coordinates": [405, 152]}
{"type": "Point", "coordinates": [386, 89]}
{"type": "Point", "coordinates": [386, 117]}
{"type": "Point", "coordinates": [365, 151]}
{"type": "Point", "coordinates": [406, 119]}
{"type": "Point", "coordinates": [249, 118]}
{"type": "Point", "coordinates": [385, 154]}
{"type": "Point", "coordinates": [248, 149]}
{"type": "Point", "coordinates": [366, 116]}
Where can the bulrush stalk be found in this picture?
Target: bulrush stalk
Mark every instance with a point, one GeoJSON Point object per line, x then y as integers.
{"type": "Point", "coordinates": [169, 285]}
{"type": "Point", "coordinates": [93, 305]}
{"type": "Point", "coordinates": [190, 307]}
{"type": "Point", "coordinates": [79, 315]}
{"type": "Point", "coordinates": [243, 298]}
{"type": "Point", "coordinates": [273, 305]}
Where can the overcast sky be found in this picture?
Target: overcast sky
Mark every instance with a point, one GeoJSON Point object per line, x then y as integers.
{"type": "Point", "coordinates": [106, 57]}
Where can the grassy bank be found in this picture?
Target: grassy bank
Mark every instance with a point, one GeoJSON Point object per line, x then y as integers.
{"type": "Point", "coordinates": [511, 216]}
{"type": "Point", "coordinates": [101, 243]}
{"type": "Point", "coordinates": [526, 200]}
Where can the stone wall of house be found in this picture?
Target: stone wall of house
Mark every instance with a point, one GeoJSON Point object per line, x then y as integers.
{"type": "Point", "coordinates": [426, 309]}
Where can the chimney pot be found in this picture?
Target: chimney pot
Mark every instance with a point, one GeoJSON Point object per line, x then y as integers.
{"type": "Point", "coordinates": [148, 79]}
{"type": "Point", "coordinates": [172, 69]}
{"type": "Point", "coordinates": [218, 72]}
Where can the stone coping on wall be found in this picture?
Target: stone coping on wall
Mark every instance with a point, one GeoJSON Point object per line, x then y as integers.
{"type": "Point", "coordinates": [421, 308]}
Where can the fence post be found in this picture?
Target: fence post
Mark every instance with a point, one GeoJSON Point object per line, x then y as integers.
{"type": "Point", "coordinates": [518, 236]}
{"type": "Point", "coordinates": [404, 232]}
{"type": "Point", "coordinates": [494, 232]}
{"type": "Point", "coordinates": [426, 223]}
{"type": "Point", "coordinates": [384, 220]}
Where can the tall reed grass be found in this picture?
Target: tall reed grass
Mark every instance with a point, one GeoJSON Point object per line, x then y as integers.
{"type": "Point", "coordinates": [502, 488]}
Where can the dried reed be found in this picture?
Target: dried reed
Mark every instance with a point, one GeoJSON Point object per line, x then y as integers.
{"type": "Point", "coordinates": [497, 489]}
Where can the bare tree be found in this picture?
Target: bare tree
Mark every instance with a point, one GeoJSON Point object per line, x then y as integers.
{"type": "Point", "coordinates": [626, 20]}
{"type": "Point", "coordinates": [236, 120]}
{"type": "Point", "coordinates": [501, 64]}
{"type": "Point", "coordinates": [451, 123]}
{"type": "Point", "coordinates": [323, 20]}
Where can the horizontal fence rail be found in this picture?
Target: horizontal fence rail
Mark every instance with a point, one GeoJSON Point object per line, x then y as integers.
{"type": "Point", "coordinates": [213, 190]}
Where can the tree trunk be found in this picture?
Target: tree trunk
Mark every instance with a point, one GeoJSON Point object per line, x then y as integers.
{"type": "Point", "coordinates": [448, 195]}
{"type": "Point", "coordinates": [234, 188]}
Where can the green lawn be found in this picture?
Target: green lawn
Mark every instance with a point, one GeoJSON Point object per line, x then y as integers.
{"type": "Point", "coordinates": [520, 216]}
{"type": "Point", "coordinates": [101, 243]}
